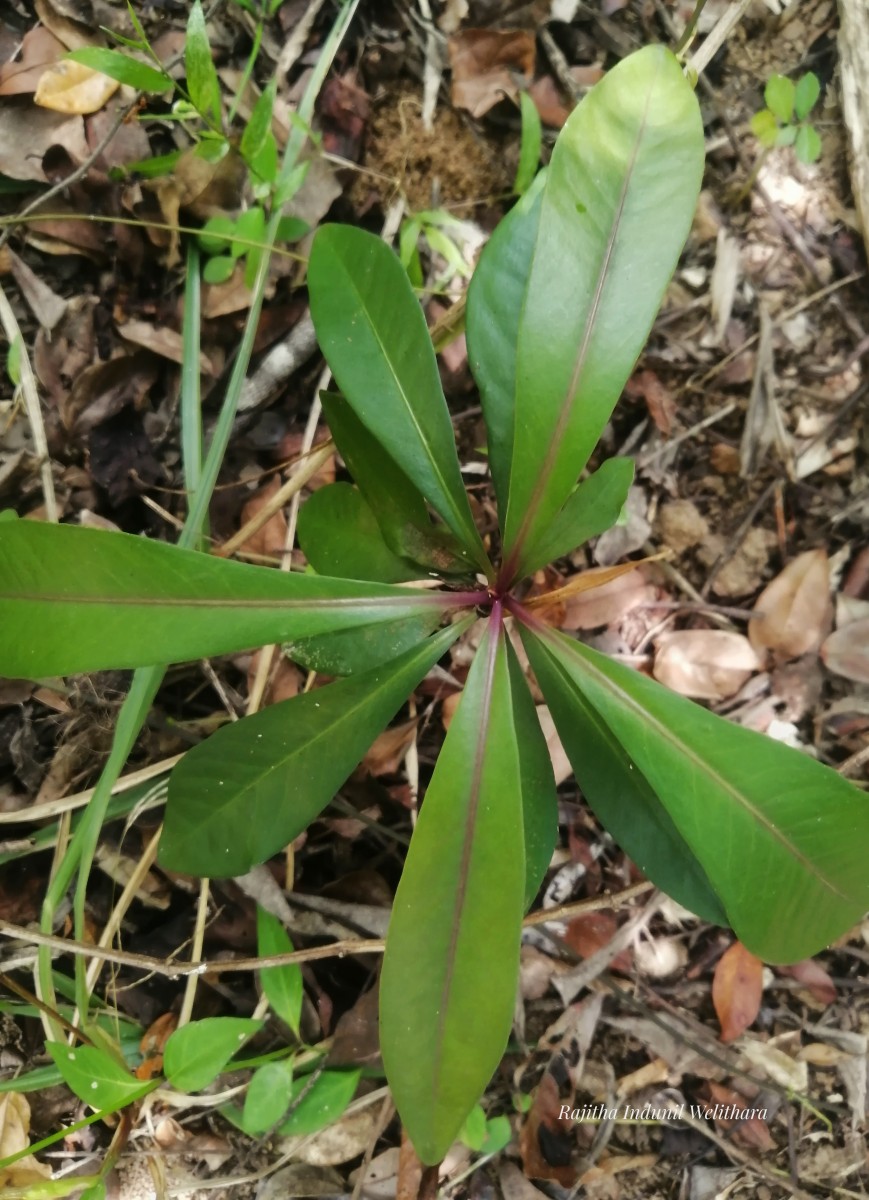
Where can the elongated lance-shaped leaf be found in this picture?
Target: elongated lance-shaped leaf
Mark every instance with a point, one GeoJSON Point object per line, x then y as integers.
{"type": "Point", "coordinates": [340, 536]}
{"type": "Point", "coordinates": [362, 647]}
{"type": "Point", "coordinates": [75, 599]}
{"type": "Point", "coordinates": [373, 333]}
{"type": "Point", "coordinates": [618, 792]}
{"type": "Point", "coordinates": [452, 953]}
{"type": "Point", "coordinates": [617, 206]}
{"type": "Point", "coordinates": [397, 504]}
{"type": "Point", "coordinates": [496, 295]}
{"type": "Point", "coordinates": [782, 839]}
{"type": "Point", "coordinates": [243, 795]}
{"type": "Point", "coordinates": [539, 797]}
{"type": "Point", "coordinates": [593, 508]}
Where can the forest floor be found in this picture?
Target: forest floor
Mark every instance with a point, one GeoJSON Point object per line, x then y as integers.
{"type": "Point", "coordinates": [746, 417]}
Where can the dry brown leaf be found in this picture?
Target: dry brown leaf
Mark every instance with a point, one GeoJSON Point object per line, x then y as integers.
{"type": "Point", "coordinates": [388, 751]}
{"type": "Point", "coordinates": [590, 932]}
{"type": "Point", "coordinates": [14, 1137]}
{"type": "Point", "coordinates": [284, 681]}
{"type": "Point", "coordinates": [814, 979]}
{"type": "Point", "coordinates": [549, 101]}
{"type": "Point", "coordinates": [73, 88]}
{"type": "Point", "coordinates": [269, 540]}
{"type": "Point", "coordinates": [46, 305]}
{"type": "Point", "coordinates": [489, 64]}
{"type": "Point", "coordinates": [27, 135]}
{"type": "Point", "coordinates": [796, 608]}
{"type": "Point", "coordinates": [39, 49]}
{"type": "Point", "coordinates": [737, 987]}
{"type": "Point", "coordinates": [751, 1131]}
{"type": "Point", "coordinates": [607, 604]}
{"type": "Point", "coordinates": [706, 664]}
{"type": "Point", "coordinates": [561, 767]}
{"type": "Point", "coordinates": [162, 340]}
{"type": "Point", "coordinates": [846, 652]}
{"type": "Point", "coordinates": [660, 401]}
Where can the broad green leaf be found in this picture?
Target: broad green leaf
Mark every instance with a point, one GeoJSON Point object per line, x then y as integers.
{"type": "Point", "coordinates": [780, 95]}
{"type": "Point", "coordinates": [215, 236]}
{"type": "Point", "coordinates": [340, 536]}
{"type": "Point", "coordinates": [259, 126]}
{"type": "Point", "coordinates": [363, 647]}
{"type": "Point", "coordinates": [449, 975]}
{"type": "Point", "coordinates": [593, 508]}
{"type": "Point", "coordinates": [781, 838]}
{"type": "Point", "coordinates": [96, 1077]}
{"type": "Point", "coordinates": [397, 503]}
{"type": "Point", "coordinates": [250, 227]}
{"type": "Point", "coordinates": [807, 145]}
{"type": "Point", "coordinates": [539, 797]}
{"type": "Point", "coordinates": [74, 599]}
{"type": "Point", "coordinates": [238, 798]}
{"type": "Point", "coordinates": [529, 149]}
{"type": "Point", "coordinates": [617, 206]}
{"type": "Point", "coordinates": [202, 82]}
{"type": "Point", "coordinates": [196, 1053]}
{"type": "Point", "coordinates": [765, 127]}
{"type": "Point", "coordinates": [786, 135]}
{"type": "Point", "coordinates": [373, 333]}
{"type": "Point", "coordinates": [806, 95]}
{"type": "Point", "coordinates": [473, 1132]}
{"type": "Point", "coordinates": [282, 986]}
{"type": "Point", "coordinates": [495, 297]}
{"type": "Point", "coordinates": [268, 1097]}
{"type": "Point", "coordinates": [321, 1101]}
{"type": "Point", "coordinates": [122, 67]}
{"type": "Point", "coordinates": [617, 791]}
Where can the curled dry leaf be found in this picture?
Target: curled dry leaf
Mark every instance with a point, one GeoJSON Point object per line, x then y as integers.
{"type": "Point", "coordinates": [737, 987]}
{"type": "Point", "coordinates": [794, 610]}
{"type": "Point", "coordinates": [39, 49]}
{"type": "Point", "coordinates": [489, 64]}
{"type": "Point", "coordinates": [706, 664]}
{"type": "Point", "coordinates": [14, 1137]}
{"type": "Point", "coordinates": [607, 604]}
{"type": "Point", "coordinates": [73, 88]}
{"type": "Point", "coordinates": [750, 1131]}
{"type": "Point", "coordinates": [846, 652]}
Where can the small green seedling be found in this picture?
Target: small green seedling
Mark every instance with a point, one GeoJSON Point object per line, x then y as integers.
{"type": "Point", "coordinates": [740, 829]}
{"type": "Point", "coordinates": [784, 121]}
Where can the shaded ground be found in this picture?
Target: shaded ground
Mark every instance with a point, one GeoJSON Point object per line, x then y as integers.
{"type": "Point", "coordinates": [747, 420]}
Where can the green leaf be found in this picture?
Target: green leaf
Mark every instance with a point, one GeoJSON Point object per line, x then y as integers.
{"type": "Point", "coordinates": [499, 1134]}
{"type": "Point", "coordinates": [806, 95]}
{"type": "Point", "coordinates": [765, 127]}
{"type": "Point", "coordinates": [268, 1096]}
{"type": "Point", "coordinates": [593, 508]}
{"type": "Point", "coordinates": [340, 536]}
{"type": "Point", "coordinates": [787, 135]}
{"type": "Point", "coordinates": [74, 599]}
{"type": "Point", "coordinates": [616, 790]}
{"type": "Point", "coordinates": [373, 333]}
{"type": "Point", "coordinates": [96, 1077]}
{"type": "Point", "coordinates": [807, 146]}
{"type": "Point", "coordinates": [282, 986]}
{"type": "Point", "coordinates": [450, 970]}
{"type": "Point", "coordinates": [291, 229]}
{"type": "Point", "coordinates": [539, 797]}
{"type": "Point", "coordinates": [781, 838]}
{"type": "Point", "coordinates": [196, 1053]}
{"type": "Point", "coordinates": [617, 207]}
{"type": "Point", "coordinates": [473, 1132]}
{"type": "Point", "coordinates": [322, 1101]}
{"type": "Point", "coordinates": [219, 269]}
{"type": "Point", "coordinates": [495, 297]}
{"type": "Point", "coordinates": [250, 227]}
{"type": "Point", "coordinates": [780, 95]}
{"type": "Point", "coordinates": [529, 149]}
{"type": "Point", "coordinates": [122, 67]}
{"type": "Point", "coordinates": [202, 82]}
{"type": "Point", "coordinates": [215, 236]}
{"type": "Point", "coordinates": [13, 361]}
{"type": "Point", "coordinates": [259, 126]}
{"type": "Point", "coordinates": [361, 648]}
{"type": "Point", "coordinates": [397, 504]}
{"type": "Point", "coordinates": [238, 798]}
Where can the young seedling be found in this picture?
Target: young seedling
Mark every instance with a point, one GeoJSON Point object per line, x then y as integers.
{"type": "Point", "coordinates": [784, 121]}
{"type": "Point", "coordinates": [741, 830]}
